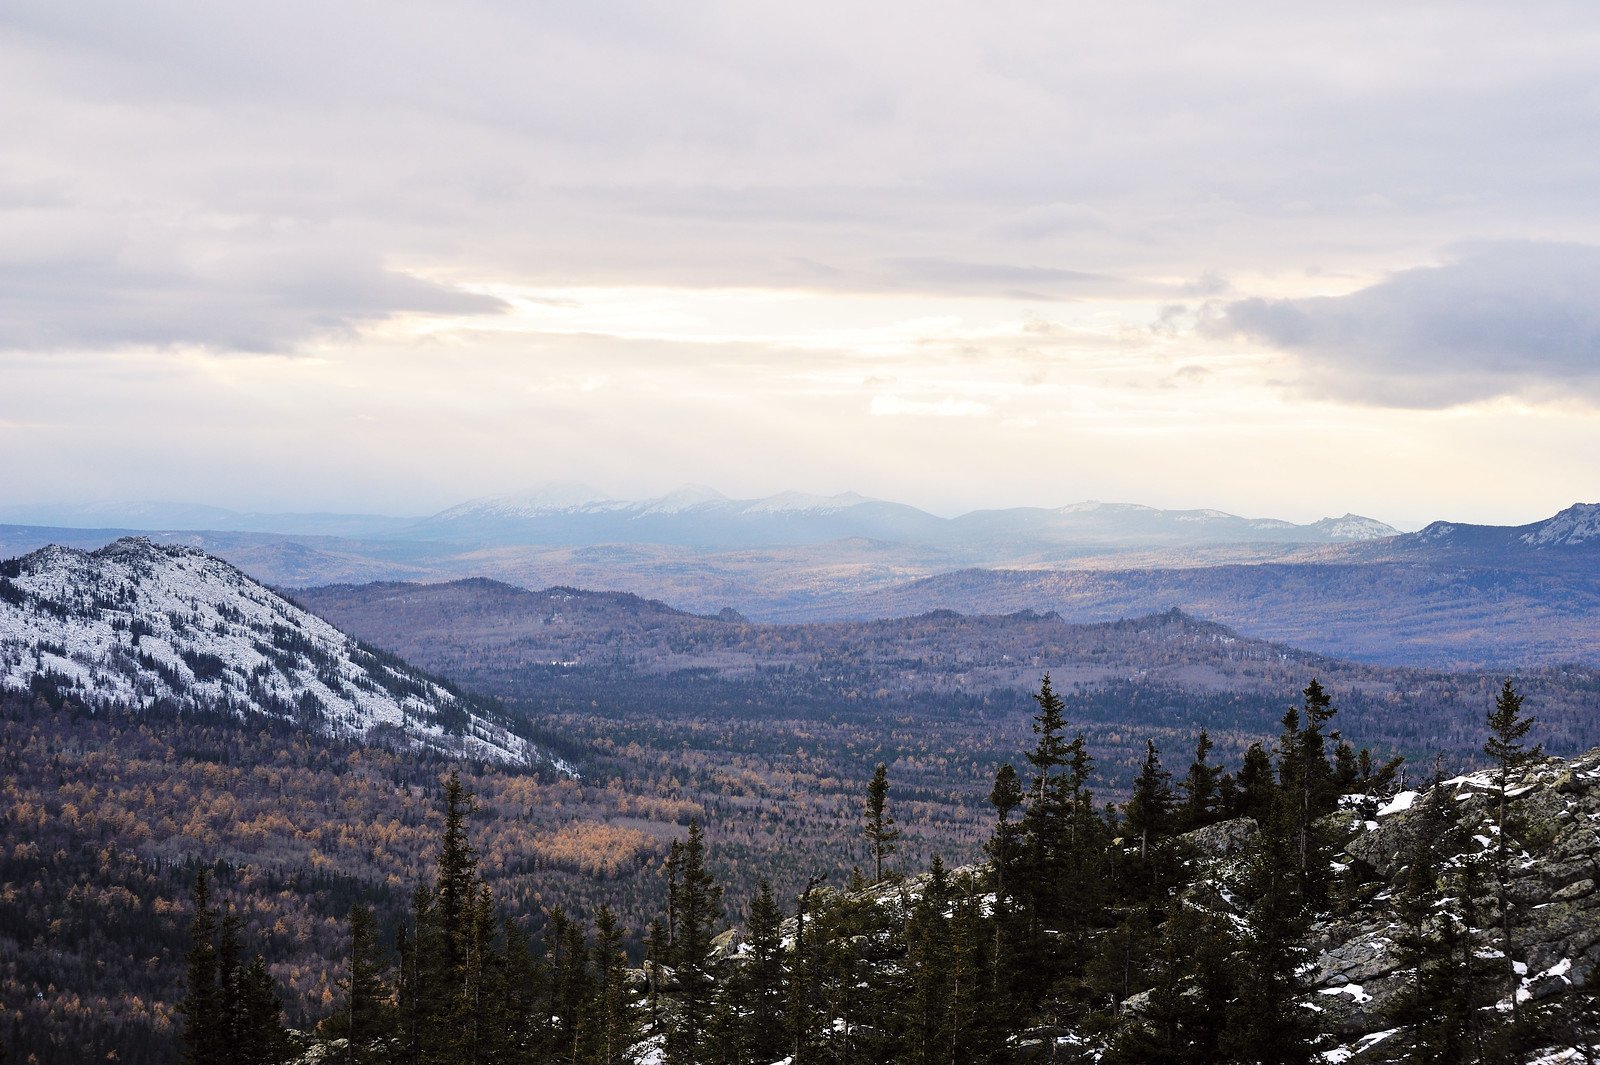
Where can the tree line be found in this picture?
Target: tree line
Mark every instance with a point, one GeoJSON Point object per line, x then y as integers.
{"type": "Point", "coordinates": [1085, 934]}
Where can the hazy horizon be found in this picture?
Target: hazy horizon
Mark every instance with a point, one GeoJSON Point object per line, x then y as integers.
{"type": "Point", "coordinates": [368, 259]}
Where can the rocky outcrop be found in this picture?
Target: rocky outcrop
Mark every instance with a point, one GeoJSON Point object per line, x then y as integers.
{"type": "Point", "coordinates": [1355, 973]}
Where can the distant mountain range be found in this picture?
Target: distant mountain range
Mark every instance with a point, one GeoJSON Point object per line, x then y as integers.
{"type": "Point", "coordinates": [700, 517]}
{"type": "Point", "coordinates": [1451, 594]}
{"type": "Point", "coordinates": [135, 623]}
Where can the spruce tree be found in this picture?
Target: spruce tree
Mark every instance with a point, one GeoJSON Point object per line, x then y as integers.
{"type": "Point", "coordinates": [1149, 811]}
{"type": "Point", "coordinates": [763, 976]}
{"type": "Point", "coordinates": [1307, 790]}
{"type": "Point", "coordinates": [455, 887]}
{"type": "Point", "coordinates": [926, 1021]}
{"type": "Point", "coordinates": [804, 978]}
{"type": "Point", "coordinates": [261, 1038]}
{"type": "Point", "coordinates": [1254, 790]}
{"type": "Point", "coordinates": [1507, 747]}
{"type": "Point", "coordinates": [1005, 854]}
{"type": "Point", "coordinates": [1434, 947]}
{"type": "Point", "coordinates": [363, 1018]}
{"type": "Point", "coordinates": [880, 830]}
{"type": "Point", "coordinates": [229, 972]}
{"type": "Point", "coordinates": [203, 1040]}
{"type": "Point", "coordinates": [1264, 1020]}
{"type": "Point", "coordinates": [699, 910]}
{"type": "Point", "coordinates": [1200, 787]}
{"type": "Point", "coordinates": [614, 1030]}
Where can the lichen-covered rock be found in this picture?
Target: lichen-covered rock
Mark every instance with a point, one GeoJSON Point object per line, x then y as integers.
{"type": "Point", "coordinates": [1554, 866]}
{"type": "Point", "coordinates": [1223, 839]}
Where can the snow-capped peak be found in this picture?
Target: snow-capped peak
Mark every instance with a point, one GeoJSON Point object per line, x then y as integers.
{"type": "Point", "coordinates": [685, 498]}
{"type": "Point", "coordinates": [1355, 527]}
{"type": "Point", "coordinates": [785, 502]}
{"type": "Point", "coordinates": [554, 498]}
{"type": "Point", "coordinates": [1575, 525]}
{"type": "Point", "coordinates": [134, 622]}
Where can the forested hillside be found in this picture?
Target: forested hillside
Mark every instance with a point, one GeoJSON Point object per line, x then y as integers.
{"type": "Point", "coordinates": [1292, 908]}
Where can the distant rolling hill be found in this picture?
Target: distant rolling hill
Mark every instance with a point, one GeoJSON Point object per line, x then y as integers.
{"type": "Point", "coordinates": [1449, 595]}
{"type": "Point", "coordinates": [1347, 586]}
{"type": "Point", "coordinates": [618, 654]}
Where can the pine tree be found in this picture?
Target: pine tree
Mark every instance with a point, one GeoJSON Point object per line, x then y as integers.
{"type": "Point", "coordinates": [880, 830]}
{"type": "Point", "coordinates": [1149, 811]}
{"type": "Point", "coordinates": [261, 1038]}
{"type": "Point", "coordinates": [1264, 1020]}
{"type": "Point", "coordinates": [1507, 747]}
{"type": "Point", "coordinates": [1200, 787]}
{"type": "Point", "coordinates": [203, 1041]}
{"type": "Point", "coordinates": [363, 1018]}
{"type": "Point", "coordinates": [615, 1031]}
{"type": "Point", "coordinates": [763, 976]}
{"type": "Point", "coordinates": [699, 909]}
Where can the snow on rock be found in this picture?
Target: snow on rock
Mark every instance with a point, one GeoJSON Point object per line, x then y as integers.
{"type": "Point", "coordinates": [1402, 801]}
{"type": "Point", "coordinates": [134, 622]}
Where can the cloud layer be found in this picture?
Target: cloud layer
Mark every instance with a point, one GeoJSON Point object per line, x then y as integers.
{"type": "Point", "coordinates": [913, 250]}
{"type": "Point", "coordinates": [1497, 319]}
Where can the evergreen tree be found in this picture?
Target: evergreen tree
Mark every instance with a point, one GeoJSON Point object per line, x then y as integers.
{"type": "Point", "coordinates": [657, 953]}
{"type": "Point", "coordinates": [1149, 811]}
{"type": "Point", "coordinates": [1265, 1023]}
{"type": "Point", "coordinates": [1254, 790]}
{"type": "Point", "coordinates": [364, 1017]}
{"type": "Point", "coordinates": [1005, 854]}
{"type": "Point", "coordinates": [973, 1008]}
{"type": "Point", "coordinates": [804, 978]}
{"type": "Point", "coordinates": [699, 909]}
{"type": "Point", "coordinates": [204, 1041]}
{"type": "Point", "coordinates": [1201, 787]}
{"type": "Point", "coordinates": [880, 830]}
{"type": "Point", "coordinates": [229, 973]}
{"type": "Point", "coordinates": [1192, 982]}
{"type": "Point", "coordinates": [261, 1038]}
{"type": "Point", "coordinates": [1507, 747]}
{"type": "Point", "coordinates": [764, 976]}
{"type": "Point", "coordinates": [615, 1032]}
{"type": "Point", "coordinates": [926, 1023]}
{"type": "Point", "coordinates": [1435, 948]}
{"type": "Point", "coordinates": [1307, 790]}
{"type": "Point", "coordinates": [455, 888]}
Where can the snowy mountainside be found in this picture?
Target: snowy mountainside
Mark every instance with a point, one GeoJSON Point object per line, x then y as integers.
{"type": "Point", "coordinates": [134, 622]}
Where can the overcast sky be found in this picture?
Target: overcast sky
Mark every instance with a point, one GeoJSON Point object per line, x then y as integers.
{"type": "Point", "coordinates": [1276, 258]}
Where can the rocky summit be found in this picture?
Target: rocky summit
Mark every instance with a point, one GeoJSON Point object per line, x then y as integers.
{"type": "Point", "coordinates": [136, 623]}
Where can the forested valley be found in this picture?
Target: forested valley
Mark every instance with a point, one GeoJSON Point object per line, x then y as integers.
{"type": "Point", "coordinates": [1177, 925]}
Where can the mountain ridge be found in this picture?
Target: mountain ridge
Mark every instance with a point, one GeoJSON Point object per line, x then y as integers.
{"type": "Point", "coordinates": [134, 623]}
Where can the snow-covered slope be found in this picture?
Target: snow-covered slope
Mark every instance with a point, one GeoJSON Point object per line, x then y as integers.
{"type": "Point", "coordinates": [134, 622]}
{"type": "Point", "coordinates": [1577, 524]}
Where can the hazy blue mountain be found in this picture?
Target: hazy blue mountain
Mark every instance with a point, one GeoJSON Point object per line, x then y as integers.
{"type": "Point", "coordinates": [575, 515]}
{"type": "Point", "coordinates": [159, 516]}
{"type": "Point", "coordinates": [691, 516]}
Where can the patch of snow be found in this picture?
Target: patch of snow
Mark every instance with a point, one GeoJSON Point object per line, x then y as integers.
{"type": "Point", "coordinates": [1398, 804]}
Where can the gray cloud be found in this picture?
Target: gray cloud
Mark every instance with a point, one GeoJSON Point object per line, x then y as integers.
{"type": "Point", "coordinates": [223, 298]}
{"type": "Point", "coordinates": [1498, 318]}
